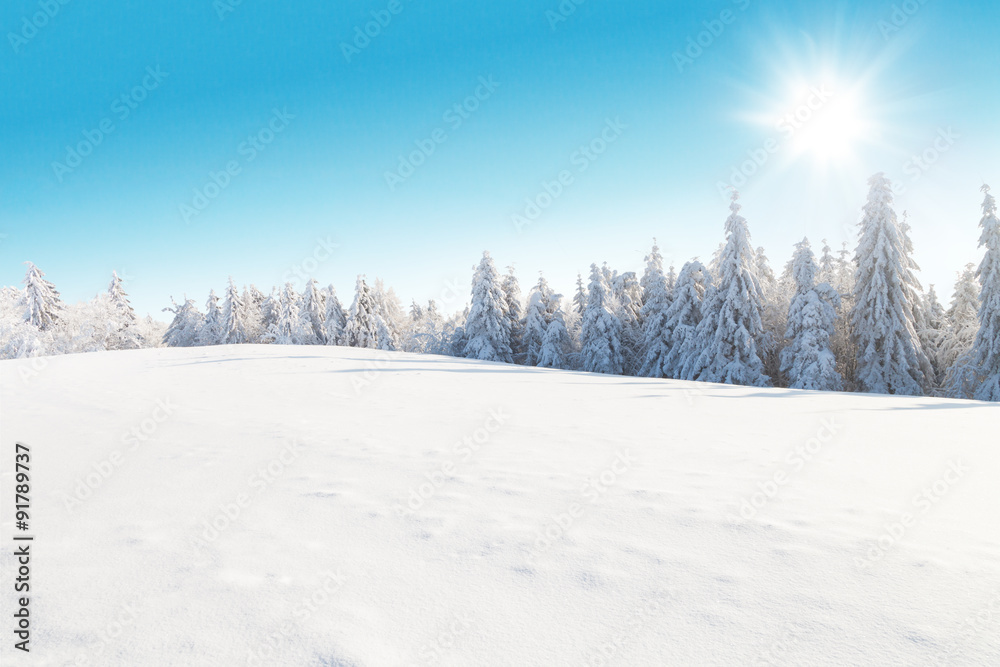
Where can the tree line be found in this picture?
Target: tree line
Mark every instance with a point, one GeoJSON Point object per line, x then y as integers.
{"type": "Point", "coordinates": [837, 322]}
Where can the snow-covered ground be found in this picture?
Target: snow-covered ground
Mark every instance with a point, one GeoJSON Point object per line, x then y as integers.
{"type": "Point", "coordinates": [280, 505]}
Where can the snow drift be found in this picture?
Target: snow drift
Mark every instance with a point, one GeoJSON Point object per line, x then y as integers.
{"type": "Point", "coordinates": [286, 505]}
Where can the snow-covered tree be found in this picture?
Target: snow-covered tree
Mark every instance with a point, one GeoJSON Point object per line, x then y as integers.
{"type": "Point", "coordinates": [334, 318]}
{"type": "Point", "coordinates": [915, 298]}
{"type": "Point", "coordinates": [488, 327]}
{"type": "Point", "coordinates": [731, 330]}
{"type": "Point", "coordinates": [627, 302]}
{"type": "Point", "coordinates": [234, 316]}
{"type": "Point", "coordinates": [656, 301]}
{"type": "Point", "coordinates": [556, 344]}
{"type": "Point", "coordinates": [211, 328]}
{"type": "Point", "coordinates": [289, 327]}
{"type": "Point", "coordinates": [807, 361]}
{"type": "Point", "coordinates": [888, 350]}
{"type": "Point", "coordinates": [601, 329]}
{"type": "Point", "coordinates": [363, 322]}
{"type": "Point", "coordinates": [41, 300]}
{"type": "Point", "coordinates": [775, 301]}
{"type": "Point", "coordinates": [986, 349]}
{"type": "Point", "coordinates": [187, 322]}
{"type": "Point", "coordinates": [512, 307]}
{"type": "Point", "coordinates": [314, 312]}
{"type": "Point", "coordinates": [933, 333]}
{"type": "Point", "coordinates": [122, 332]}
{"type": "Point", "coordinates": [682, 319]}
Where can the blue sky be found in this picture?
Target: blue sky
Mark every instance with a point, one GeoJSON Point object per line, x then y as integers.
{"type": "Point", "coordinates": [309, 130]}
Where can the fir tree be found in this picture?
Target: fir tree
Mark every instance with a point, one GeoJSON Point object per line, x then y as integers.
{"type": "Point", "coordinates": [234, 316]}
{"type": "Point", "coordinates": [986, 349]}
{"type": "Point", "coordinates": [41, 300]}
{"type": "Point", "coordinates": [888, 355]}
{"type": "Point", "coordinates": [601, 329]}
{"type": "Point", "coordinates": [334, 318]}
{"type": "Point", "coordinates": [656, 301]}
{"type": "Point", "coordinates": [808, 361]}
{"type": "Point", "coordinates": [314, 312]}
{"type": "Point", "coordinates": [363, 326]}
{"type": "Point", "coordinates": [730, 333]}
{"type": "Point", "coordinates": [682, 319]}
{"type": "Point", "coordinates": [487, 329]}
{"type": "Point", "coordinates": [187, 322]}
{"type": "Point", "coordinates": [211, 329]}
{"type": "Point", "coordinates": [512, 307]}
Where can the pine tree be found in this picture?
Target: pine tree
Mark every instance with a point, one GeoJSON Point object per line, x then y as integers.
{"type": "Point", "coordinates": [808, 361]}
{"type": "Point", "coordinates": [627, 303]}
{"type": "Point", "coordinates": [254, 300]}
{"type": "Point", "coordinates": [211, 329]}
{"type": "Point", "coordinates": [187, 322]}
{"type": "Point", "coordinates": [932, 336]}
{"type": "Point", "coordinates": [774, 313]}
{"type": "Point", "coordinates": [487, 329]}
{"type": "Point", "coordinates": [41, 300]}
{"type": "Point", "coordinates": [915, 298]}
{"type": "Point", "coordinates": [123, 333]}
{"type": "Point", "coordinates": [986, 349]}
{"type": "Point", "coordinates": [287, 328]}
{"type": "Point", "coordinates": [314, 312]}
{"type": "Point", "coordinates": [682, 319]}
{"type": "Point", "coordinates": [334, 318]}
{"type": "Point", "coordinates": [234, 316]}
{"type": "Point", "coordinates": [888, 355]}
{"type": "Point", "coordinates": [601, 329]}
{"type": "Point", "coordinates": [363, 326]}
{"type": "Point", "coordinates": [656, 301]}
{"type": "Point", "coordinates": [535, 322]}
{"type": "Point", "coordinates": [556, 344]}
{"type": "Point", "coordinates": [730, 333]}
{"type": "Point", "coordinates": [512, 307]}
{"type": "Point", "coordinates": [580, 298]}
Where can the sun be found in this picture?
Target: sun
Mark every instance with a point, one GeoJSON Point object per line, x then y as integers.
{"type": "Point", "coordinates": [826, 122]}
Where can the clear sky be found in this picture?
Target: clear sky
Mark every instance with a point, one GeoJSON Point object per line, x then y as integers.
{"type": "Point", "coordinates": [116, 116]}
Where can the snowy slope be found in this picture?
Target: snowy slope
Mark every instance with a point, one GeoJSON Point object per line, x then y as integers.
{"type": "Point", "coordinates": [330, 556]}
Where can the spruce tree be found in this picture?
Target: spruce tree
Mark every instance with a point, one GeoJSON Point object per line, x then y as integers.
{"type": "Point", "coordinates": [731, 332]}
{"type": "Point", "coordinates": [986, 349]}
{"type": "Point", "coordinates": [888, 354]}
{"type": "Point", "coordinates": [807, 361]}
{"type": "Point", "coordinates": [334, 318]}
{"type": "Point", "coordinates": [656, 300]}
{"type": "Point", "coordinates": [487, 329]}
{"type": "Point", "coordinates": [601, 329]}
{"type": "Point", "coordinates": [363, 326]}
{"type": "Point", "coordinates": [41, 300]}
{"type": "Point", "coordinates": [314, 312]}
{"type": "Point", "coordinates": [682, 319]}
{"type": "Point", "coordinates": [211, 328]}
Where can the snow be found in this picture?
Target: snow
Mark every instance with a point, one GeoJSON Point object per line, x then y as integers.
{"type": "Point", "coordinates": [657, 564]}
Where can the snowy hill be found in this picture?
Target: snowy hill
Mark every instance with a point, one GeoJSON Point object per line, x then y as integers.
{"type": "Point", "coordinates": [283, 505]}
